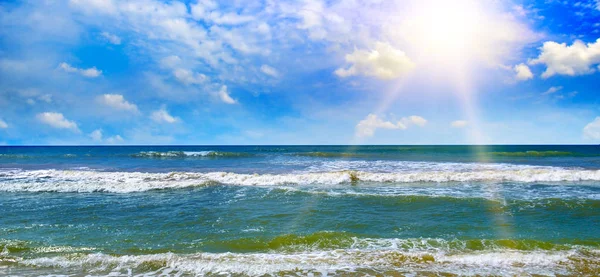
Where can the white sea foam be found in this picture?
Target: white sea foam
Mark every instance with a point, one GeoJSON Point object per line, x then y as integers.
{"type": "Point", "coordinates": [331, 262]}
{"type": "Point", "coordinates": [172, 154]}
{"type": "Point", "coordinates": [396, 166]}
{"type": "Point", "coordinates": [123, 182]}
{"type": "Point", "coordinates": [198, 153]}
{"type": "Point", "coordinates": [367, 255]}
{"type": "Point", "coordinates": [189, 154]}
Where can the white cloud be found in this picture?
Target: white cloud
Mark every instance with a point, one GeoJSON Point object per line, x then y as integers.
{"type": "Point", "coordinates": [118, 102]}
{"type": "Point", "coordinates": [572, 60]}
{"type": "Point", "coordinates": [383, 62]}
{"type": "Point", "coordinates": [552, 90]}
{"type": "Point", "coordinates": [193, 31]}
{"type": "Point", "coordinates": [229, 18]}
{"type": "Point", "coordinates": [92, 72]}
{"type": "Point", "coordinates": [46, 98]}
{"type": "Point", "coordinates": [96, 135]}
{"type": "Point", "coordinates": [102, 6]}
{"type": "Point", "coordinates": [224, 96]}
{"type": "Point", "coordinates": [163, 116]}
{"type": "Point", "coordinates": [187, 77]}
{"type": "Point", "coordinates": [592, 129]}
{"type": "Point", "coordinates": [459, 123]}
{"type": "Point", "coordinates": [170, 61]}
{"type": "Point", "coordinates": [114, 139]}
{"type": "Point", "coordinates": [67, 68]}
{"type": "Point", "coordinates": [269, 71]}
{"type": "Point", "coordinates": [57, 120]}
{"type": "Point", "coordinates": [523, 72]}
{"type": "Point", "coordinates": [182, 75]}
{"type": "Point", "coordinates": [368, 126]}
{"type": "Point", "coordinates": [207, 10]}
{"type": "Point", "coordinates": [3, 124]}
{"type": "Point", "coordinates": [314, 18]}
{"type": "Point", "coordinates": [414, 120]}
{"type": "Point", "coordinates": [32, 96]}
{"type": "Point", "coordinates": [112, 38]}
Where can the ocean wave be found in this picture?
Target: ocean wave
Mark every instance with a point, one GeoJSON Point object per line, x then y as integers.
{"type": "Point", "coordinates": [398, 166]}
{"type": "Point", "coordinates": [25, 156]}
{"type": "Point", "coordinates": [329, 240]}
{"type": "Point", "coordinates": [14, 156]}
{"type": "Point", "coordinates": [330, 154]}
{"type": "Point", "coordinates": [361, 257]}
{"type": "Point", "coordinates": [122, 182]}
{"type": "Point", "coordinates": [188, 154]}
{"type": "Point", "coordinates": [531, 153]}
{"type": "Point", "coordinates": [537, 154]}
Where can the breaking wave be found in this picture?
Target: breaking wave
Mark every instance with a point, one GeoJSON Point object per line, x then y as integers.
{"type": "Point", "coordinates": [123, 182]}
{"type": "Point", "coordinates": [347, 255]}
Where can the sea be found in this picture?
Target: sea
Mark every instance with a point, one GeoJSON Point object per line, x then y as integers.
{"type": "Point", "coordinates": [393, 210]}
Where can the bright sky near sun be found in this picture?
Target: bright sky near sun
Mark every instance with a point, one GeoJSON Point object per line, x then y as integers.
{"type": "Point", "coordinates": [299, 72]}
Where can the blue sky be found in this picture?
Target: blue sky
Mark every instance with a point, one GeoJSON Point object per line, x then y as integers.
{"type": "Point", "coordinates": [299, 72]}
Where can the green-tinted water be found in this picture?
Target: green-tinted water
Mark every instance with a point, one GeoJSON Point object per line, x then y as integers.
{"type": "Point", "coordinates": [312, 211]}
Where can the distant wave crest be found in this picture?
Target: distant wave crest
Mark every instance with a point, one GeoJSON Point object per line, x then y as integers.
{"type": "Point", "coordinates": [189, 154]}
{"type": "Point", "coordinates": [537, 154]}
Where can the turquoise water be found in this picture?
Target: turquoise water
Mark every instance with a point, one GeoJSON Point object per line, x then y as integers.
{"type": "Point", "coordinates": [300, 211]}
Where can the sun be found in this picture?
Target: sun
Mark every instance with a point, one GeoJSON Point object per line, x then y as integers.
{"type": "Point", "coordinates": [444, 31]}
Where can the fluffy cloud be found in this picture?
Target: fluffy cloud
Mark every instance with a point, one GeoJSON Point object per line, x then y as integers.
{"type": "Point", "coordinates": [114, 39]}
{"type": "Point", "coordinates": [572, 60]}
{"type": "Point", "coordinates": [523, 72]}
{"type": "Point", "coordinates": [96, 136]}
{"type": "Point", "coordinates": [459, 123]}
{"type": "Point", "coordinates": [224, 96]}
{"type": "Point", "coordinates": [57, 120]}
{"type": "Point", "coordinates": [163, 116]}
{"type": "Point", "coordinates": [207, 10]}
{"type": "Point", "coordinates": [592, 129]}
{"type": "Point", "coordinates": [92, 72]}
{"type": "Point", "coordinates": [103, 6]}
{"type": "Point", "coordinates": [368, 126]}
{"type": "Point", "coordinates": [552, 90]}
{"type": "Point", "coordinates": [202, 31]}
{"type": "Point", "coordinates": [118, 102]}
{"type": "Point", "coordinates": [114, 139]}
{"type": "Point", "coordinates": [384, 62]}
{"type": "Point", "coordinates": [414, 120]}
{"type": "Point", "coordinates": [170, 62]}
{"type": "Point", "coordinates": [3, 124]}
{"type": "Point", "coordinates": [269, 71]}
{"type": "Point", "coordinates": [187, 77]}
{"type": "Point", "coordinates": [313, 16]}
{"type": "Point", "coordinates": [33, 96]}
{"type": "Point", "coordinates": [45, 97]}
